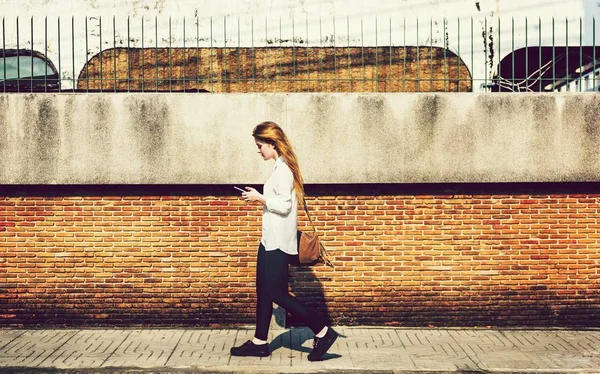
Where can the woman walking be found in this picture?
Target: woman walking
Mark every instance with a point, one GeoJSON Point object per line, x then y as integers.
{"type": "Point", "coordinates": [279, 244]}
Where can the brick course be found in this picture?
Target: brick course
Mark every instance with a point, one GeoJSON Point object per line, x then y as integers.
{"type": "Point", "coordinates": [401, 259]}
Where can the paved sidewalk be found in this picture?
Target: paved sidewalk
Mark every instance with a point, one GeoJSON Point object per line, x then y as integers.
{"type": "Point", "coordinates": [364, 350]}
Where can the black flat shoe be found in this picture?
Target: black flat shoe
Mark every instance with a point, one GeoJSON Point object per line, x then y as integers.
{"type": "Point", "coordinates": [249, 349]}
{"type": "Point", "coordinates": [322, 345]}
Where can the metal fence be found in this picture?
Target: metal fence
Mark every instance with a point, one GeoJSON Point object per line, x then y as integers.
{"type": "Point", "coordinates": [96, 54]}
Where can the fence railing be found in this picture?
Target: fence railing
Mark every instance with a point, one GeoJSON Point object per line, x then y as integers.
{"type": "Point", "coordinates": [332, 55]}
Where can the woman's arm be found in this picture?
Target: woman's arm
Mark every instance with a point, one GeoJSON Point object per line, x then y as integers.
{"type": "Point", "coordinates": [282, 202]}
{"type": "Point", "coordinates": [283, 187]}
{"type": "Point", "coordinates": [253, 195]}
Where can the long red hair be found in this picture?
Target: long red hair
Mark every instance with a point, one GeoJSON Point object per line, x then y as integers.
{"type": "Point", "coordinates": [270, 132]}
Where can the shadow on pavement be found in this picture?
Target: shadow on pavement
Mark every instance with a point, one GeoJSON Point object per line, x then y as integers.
{"type": "Point", "coordinates": [307, 287]}
{"type": "Point", "coordinates": [294, 340]}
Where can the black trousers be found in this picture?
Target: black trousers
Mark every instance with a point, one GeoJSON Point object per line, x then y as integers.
{"type": "Point", "coordinates": [272, 277]}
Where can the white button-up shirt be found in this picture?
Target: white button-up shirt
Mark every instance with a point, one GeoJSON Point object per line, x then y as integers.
{"type": "Point", "coordinates": [280, 214]}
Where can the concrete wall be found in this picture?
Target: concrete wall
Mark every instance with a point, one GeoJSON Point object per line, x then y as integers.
{"type": "Point", "coordinates": [339, 138]}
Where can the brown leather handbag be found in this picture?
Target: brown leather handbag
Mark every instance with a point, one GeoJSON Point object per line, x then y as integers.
{"type": "Point", "coordinates": [310, 249]}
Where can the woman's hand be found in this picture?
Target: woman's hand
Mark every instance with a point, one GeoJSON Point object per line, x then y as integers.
{"type": "Point", "coordinates": [253, 195]}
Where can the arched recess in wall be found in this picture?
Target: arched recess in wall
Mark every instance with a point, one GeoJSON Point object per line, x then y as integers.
{"type": "Point", "coordinates": [26, 70]}
{"type": "Point", "coordinates": [549, 69]}
{"type": "Point", "coordinates": [273, 69]}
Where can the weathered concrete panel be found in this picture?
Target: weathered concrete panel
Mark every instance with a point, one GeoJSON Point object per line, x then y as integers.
{"type": "Point", "coordinates": [339, 138]}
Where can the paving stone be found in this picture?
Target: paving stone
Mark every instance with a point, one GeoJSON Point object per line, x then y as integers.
{"type": "Point", "coordinates": [358, 349]}
{"type": "Point", "coordinates": [8, 335]}
{"type": "Point", "coordinates": [145, 348]}
{"type": "Point", "coordinates": [206, 348]}
{"type": "Point", "coordinates": [88, 348]}
{"type": "Point", "coordinates": [435, 349]}
{"type": "Point", "coordinates": [586, 342]}
{"type": "Point", "coordinates": [370, 350]}
{"type": "Point", "coordinates": [33, 346]}
{"type": "Point", "coordinates": [490, 349]}
{"type": "Point", "coordinates": [557, 349]}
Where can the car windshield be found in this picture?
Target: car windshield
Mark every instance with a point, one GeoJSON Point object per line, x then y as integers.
{"type": "Point", "coordinates": [14, 67]}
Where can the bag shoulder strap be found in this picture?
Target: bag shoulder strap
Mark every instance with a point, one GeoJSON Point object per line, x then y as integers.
{"type": "Point", "coordinates": [308, 214]}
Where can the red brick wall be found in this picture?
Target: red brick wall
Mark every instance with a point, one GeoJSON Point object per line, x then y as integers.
{"type": "Point", "coordinates": [167, 257]}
